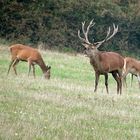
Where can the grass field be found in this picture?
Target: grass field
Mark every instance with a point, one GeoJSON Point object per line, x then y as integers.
{"type": "Point", "coordinates": [65, 107]}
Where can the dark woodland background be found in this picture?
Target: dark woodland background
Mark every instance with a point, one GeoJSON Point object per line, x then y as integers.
{"type": "Point", "coordinates": [54, 23]}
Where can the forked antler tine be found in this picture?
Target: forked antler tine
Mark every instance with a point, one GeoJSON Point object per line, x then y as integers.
{"type": "Point", "coordinates": [114, 32]}
{"type": "Point", "coordinates": [91, 24]}
{"type": "Point", "coordinates": [85, 32]}
{"type": "Point", "coordinates": [83, 27]}
{"type": "Point", "coordinates": [82, 39]}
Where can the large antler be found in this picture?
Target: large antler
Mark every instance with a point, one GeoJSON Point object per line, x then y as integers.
{"type": "Point", "coordinates": [85, 40]}
{"type": "Point", "coordinates": [98, 44]}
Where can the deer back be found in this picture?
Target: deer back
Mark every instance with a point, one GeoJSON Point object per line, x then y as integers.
{"type": "Point", "coordinates": [107, 62]}
{"type": "Point", "coordinates": [131, 63]}
{"type": "Point", "coordinates": [24, 52]}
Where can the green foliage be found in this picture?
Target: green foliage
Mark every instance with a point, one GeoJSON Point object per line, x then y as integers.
{"type": "Point", "coordinates": [55, 22]}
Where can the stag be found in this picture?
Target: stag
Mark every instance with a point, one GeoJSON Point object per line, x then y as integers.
{"type": "Point", "coordinates": [21, 52]}
{"type": "Point", "coordinates": [103, 62]}
{"type": "Point", "coordinates": [131, 65]}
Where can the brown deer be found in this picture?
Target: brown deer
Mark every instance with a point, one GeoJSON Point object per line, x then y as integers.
{"type": "Point", "coordinates": [103, 62]}
{"type": "Point", "coordinates": [131, 65]}
{"type": "Point", "coordinates": [21, 52]}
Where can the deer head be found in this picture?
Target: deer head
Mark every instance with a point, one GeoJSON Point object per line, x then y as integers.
{"type": "Point", "coordinates": [48, 72]}
{"type": "Point", "coordinates": [92, 48]}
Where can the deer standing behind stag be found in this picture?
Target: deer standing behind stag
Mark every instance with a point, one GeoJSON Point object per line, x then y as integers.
{"type": "Point", "coordinates": [103, 62]}
{"type": "Point", "coordinates": [131, 65]}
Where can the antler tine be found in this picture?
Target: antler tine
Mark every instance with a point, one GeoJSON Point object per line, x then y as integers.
{"type": "Point", "coordinates": [108, 32]}
{"type": "Point", "coordinates": [114, 32]}
{"type": "Point", "coordinates": [83, 27]}
{"type": "Point", "coordinates": [85, 32]}
{"type": "Point", "coordinates": [81, 37]}
{"type": "Point", "coordinates": [91, 24]}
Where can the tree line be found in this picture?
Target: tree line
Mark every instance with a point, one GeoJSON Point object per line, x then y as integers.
{"type": "Point", "coordinates": [55, 23]}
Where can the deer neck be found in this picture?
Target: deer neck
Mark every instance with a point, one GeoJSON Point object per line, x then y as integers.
{"type": "Point", "coordinates": [95, 61]}
{"type": "Point", "coordinates": [42, 65]}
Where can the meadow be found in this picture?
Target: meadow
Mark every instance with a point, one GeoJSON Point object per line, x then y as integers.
{"type": "Point", "coordinates": [65, 107]}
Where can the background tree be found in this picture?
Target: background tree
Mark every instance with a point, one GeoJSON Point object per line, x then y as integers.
{"type": "Point", "coordinates": [55, 23]}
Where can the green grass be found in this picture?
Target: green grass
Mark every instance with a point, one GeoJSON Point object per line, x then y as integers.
{"type": "Point", "coordinates": [65, 107]}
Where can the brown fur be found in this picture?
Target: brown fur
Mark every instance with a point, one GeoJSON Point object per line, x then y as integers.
{"type": "Point", "coordinates": [21, 52]}
{"type": "Point", "coordinates": [108, 61]}
{"type": "Point", "coordinates": [131, 65]}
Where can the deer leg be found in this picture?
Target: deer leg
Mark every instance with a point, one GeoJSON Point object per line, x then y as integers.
{"type": "Point", "coordinates": [138, 76]}
{"type": "Point", "coordinates": [124, 82]}
{"type": "Point", "coordinates": [106, 82]}
{"type": "Point", "coordinates": [10, 66]}
{"type": "Point", "coordinates": [132, 76]}
{"type": "Point", "coordinates": [96, 81]}
{"type": "Point", "coordinates": [29, 69]}
{"type": "Point", "coordinates": [33, 70]}
{"type": "Point", "coordinates": [114, 74]}
{"type": "Point", "coordinates": [16, 61]}
{"type": "Point", "coordinates": [124, 79]}
{"type": "Point", "coordinates": [120, 81]}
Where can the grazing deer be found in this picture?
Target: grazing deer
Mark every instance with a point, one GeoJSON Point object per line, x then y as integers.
{"type": "Point", "coordinates": [131, 65]}
{"type": "Point", "coordinates": [21, 52]}
{"type": "Point", "coordinates": [103, 62]}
